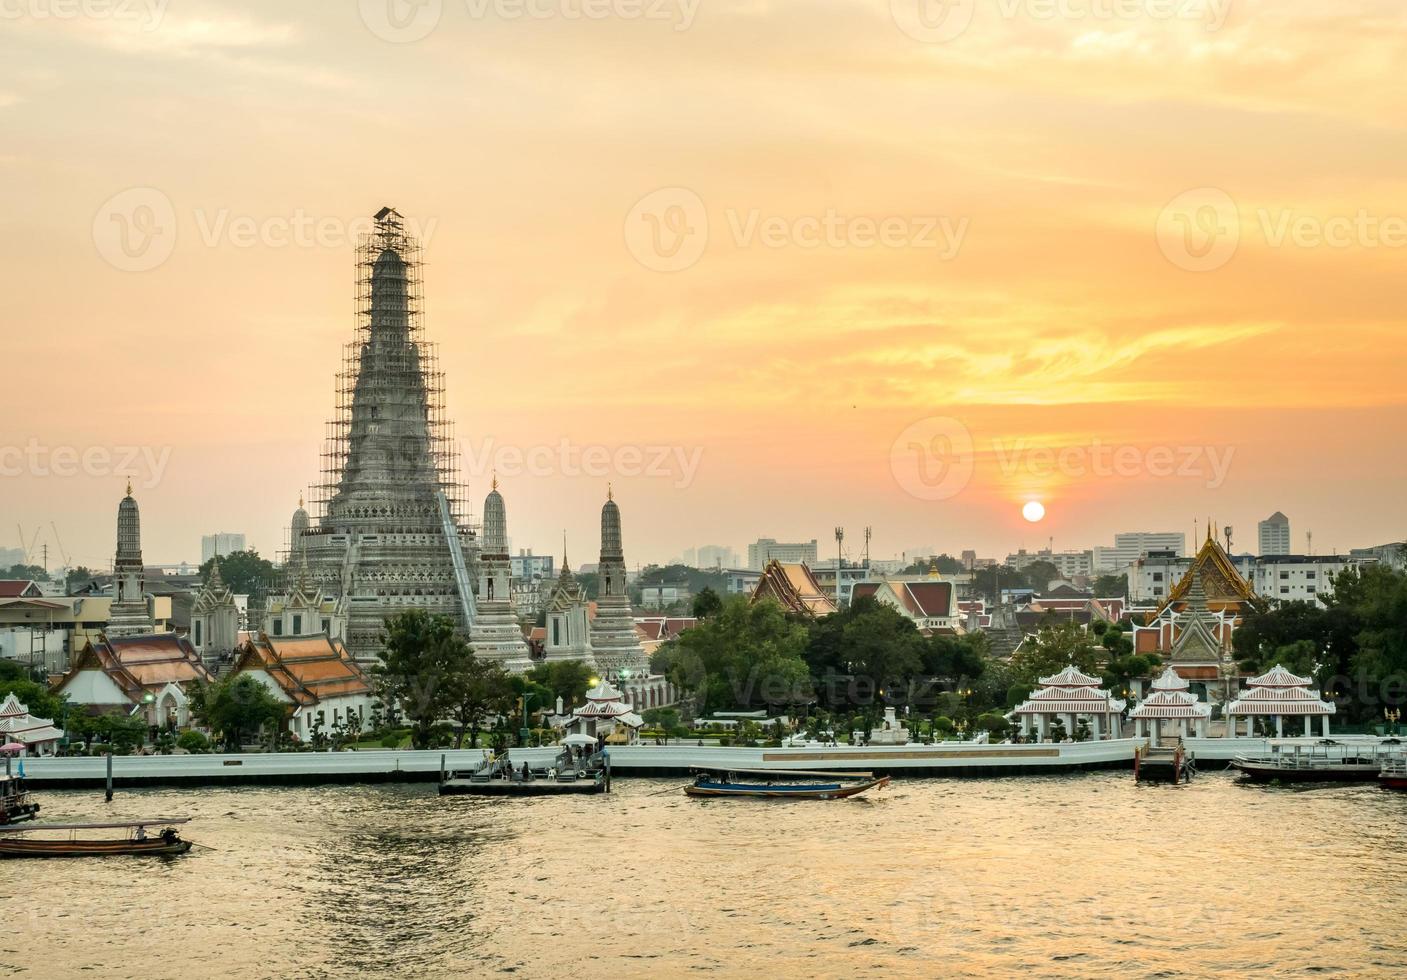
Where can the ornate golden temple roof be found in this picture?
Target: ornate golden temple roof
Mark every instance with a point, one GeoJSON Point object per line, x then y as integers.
{"type": "Point", "coordinates": [794, 587]}
{"type": "Point", "coordinates": [1223, 586]}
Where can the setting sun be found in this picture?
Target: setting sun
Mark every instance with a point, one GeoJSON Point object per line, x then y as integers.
{"type": "Point", "coordinates": [1034, 511]}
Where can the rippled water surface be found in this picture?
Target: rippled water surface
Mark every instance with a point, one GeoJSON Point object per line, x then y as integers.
{"type": "Point", "coordinates": [1084, 875]}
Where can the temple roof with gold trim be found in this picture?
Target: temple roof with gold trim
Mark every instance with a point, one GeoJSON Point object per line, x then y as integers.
{"type": "Point", "coordinates": [1223, 586]}
{"type": "Point", "coordinates": [794, 587]}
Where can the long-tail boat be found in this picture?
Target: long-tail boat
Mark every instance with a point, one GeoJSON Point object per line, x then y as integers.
{"type": "Point", "coordinates": [792, 784]}
{"type": "Point", "coordinates": [165, 842]}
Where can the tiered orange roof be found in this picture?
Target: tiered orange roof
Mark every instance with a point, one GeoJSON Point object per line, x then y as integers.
{"type": "Point", "coordinates": [794, 588]}
{"type": "Point", "coordinates": [307, 668]}
{"type": "Point", "coordinates": [138, 664]}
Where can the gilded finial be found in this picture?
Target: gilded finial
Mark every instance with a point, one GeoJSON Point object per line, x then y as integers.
{"type": "Point", "coordinates": [129, 486]}
{"type": "Point", "coordinates": [610, 492]}
{"type": "Point", "coordinates": [300, 500]}
{"type": "Point", "coordinates": [495, 479]}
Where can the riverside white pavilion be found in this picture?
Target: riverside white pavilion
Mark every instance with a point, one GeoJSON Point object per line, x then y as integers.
{"type": "Point", "coordinates": [1170, 700]}
{"type": "Point", "coordinates": [1069, 696]}
{"type": "Point", "coordinates": [19, 727]}
{"type": "Point", "coordinates": [1278, 693]}
{"type": "Point", "coordinates": [606, 714]}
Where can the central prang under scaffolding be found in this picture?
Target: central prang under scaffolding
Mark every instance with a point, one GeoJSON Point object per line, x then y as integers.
{"type": "Point", "coordinates": [392, 531]}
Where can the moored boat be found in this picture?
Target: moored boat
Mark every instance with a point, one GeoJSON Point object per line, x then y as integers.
{"type": "Point", "coordinates": [782, 784]}
{"type": "Point", "coordinates": [1393, 774]}
{"type": "Point", "coordinates": [567, 775]}
{"type": "Point", "coordinates": [15, 801]}
{"type": "Point", "coordinates": [166, 842]}
{"type": "Point", "coordinates": [1324, 760]}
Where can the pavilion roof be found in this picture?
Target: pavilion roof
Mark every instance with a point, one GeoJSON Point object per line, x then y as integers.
{"type": "Point", "coordinates": [18, 725]}
{"type": "Point", "coordinates": [1069, 700]}
{"type": "Point", "coordinates": [1170, 680]}
{"type": "Point", "coordinates": [1278, 676]}
{"type": "Point", "coordinates": [1171, 704]}
{"type": "Point", "coordinates": [1222, 584]}
{"type": "Point", "coordinates": [1280, 701]}
{"type": "Point", "coordinates": [138, 664]}
{"type": "Point", "coordinates": [1071, 676]}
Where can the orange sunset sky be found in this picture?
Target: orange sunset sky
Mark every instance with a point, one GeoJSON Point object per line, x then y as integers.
{"type": "Point", "coordinates": [1172, 237]}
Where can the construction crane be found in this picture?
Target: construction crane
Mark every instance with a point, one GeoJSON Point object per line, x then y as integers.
{"type": "Point", "coordinates": [28, 548]}
{"type": "Point", "coordinates": [59, 541]}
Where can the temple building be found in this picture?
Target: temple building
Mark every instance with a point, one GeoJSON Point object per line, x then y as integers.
{"type": "Point", "coordinates": [1170, 701]}
{"type": "Point", "coordinates": [129, 614]}
{"type": "Point", "coordinates": [1277, 694]}
{"type": "Point", "coordinates": [214, 622]}
{"type": "Point", "coordinates": [124, 674]}
{"type": "Point", "coordinates": [1192, 628]}
{"type": "Point", "coordinates": [315, 677]}
{"type": "Point", "coordinates": [931, 604]}
{"type": "Point", "coordinates": [794, 588]}
{"type": "Point", "coordinates": [1069, 697]}
{"type": "Point", "coordinates": [305, 610]}
{"type": "Point", "coordinates": [391, 532]}
{"type": "Point", "coordinates": [17, 725]}
{"type": "Point", "coordinates": [496, 634]}
{"type": "Point", "coordinates": [567, 635]}
{"type": "Point", "coordinates": [615, 644]}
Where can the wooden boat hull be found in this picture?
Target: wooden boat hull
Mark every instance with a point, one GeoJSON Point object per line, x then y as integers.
{"type": "Point", "coordinates": [1394, 781]}
{"type": "Point", "coordinates": [29, 848]}
{"type": "Point", "coordinates": [798, 791]}
{"type": "Point", "coordinates": [18, 812]}
{"type": "Point", "coordinates": [532, 787]}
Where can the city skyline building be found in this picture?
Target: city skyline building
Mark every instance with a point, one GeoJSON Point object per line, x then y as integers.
{"type": "Point", "coordinates": [1273, 535]}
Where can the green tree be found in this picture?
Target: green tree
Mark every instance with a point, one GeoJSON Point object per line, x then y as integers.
{"type": "Point", "coordinates": [706, 603]}
{"type": "Point", "coordinates": [34, 573]}
{"type": "Point", "coordinates": [480, 690]}
{"type": "Point", "coordinates": [244, 572]}
{"type": "Point", "coordinates": [1053, 648]}
{"type": "Point", "coordinates": [78, 577]}
{"type": "Point", "coordinates": [422, 663]}
{"type": "Point", "coordinates": [35, 696]}
{"type": "Point", "coordinates": [234, 705]}
{"type": "Point", "coordinates": [746, 655]}
{"type": "Point", "coordinates": [666, 721]}
{"type": "Point", "coordinates": [1111, 587]}
{"type": "Point", "coordinates": [565, 679]}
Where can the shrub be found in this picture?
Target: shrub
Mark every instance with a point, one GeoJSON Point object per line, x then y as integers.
{"type": "Point", "coordinates": [100, 748]}
{"type": "Point", "coordinates": [390, 741]}
{"type": "Point", "coordinates": [193, 742]}
{"type": "Point", "coordinates": [943, 725]}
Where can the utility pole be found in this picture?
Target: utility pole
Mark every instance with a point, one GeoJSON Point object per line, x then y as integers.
{"type": "Point", "coordinates": [868, 532]}
{"type": "Point", "coordinates": [839, 540]}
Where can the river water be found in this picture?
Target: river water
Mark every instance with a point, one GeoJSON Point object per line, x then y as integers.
{"type": "Point", "coordinates": [1078, 875]}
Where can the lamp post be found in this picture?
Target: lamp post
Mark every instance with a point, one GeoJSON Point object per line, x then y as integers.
{"type": "Point", "coordinates": [839, 560]}
{"type": "Point", "coordinates": [1393, 715]}
{"type": "Point", "coordinates": [523, 733]}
